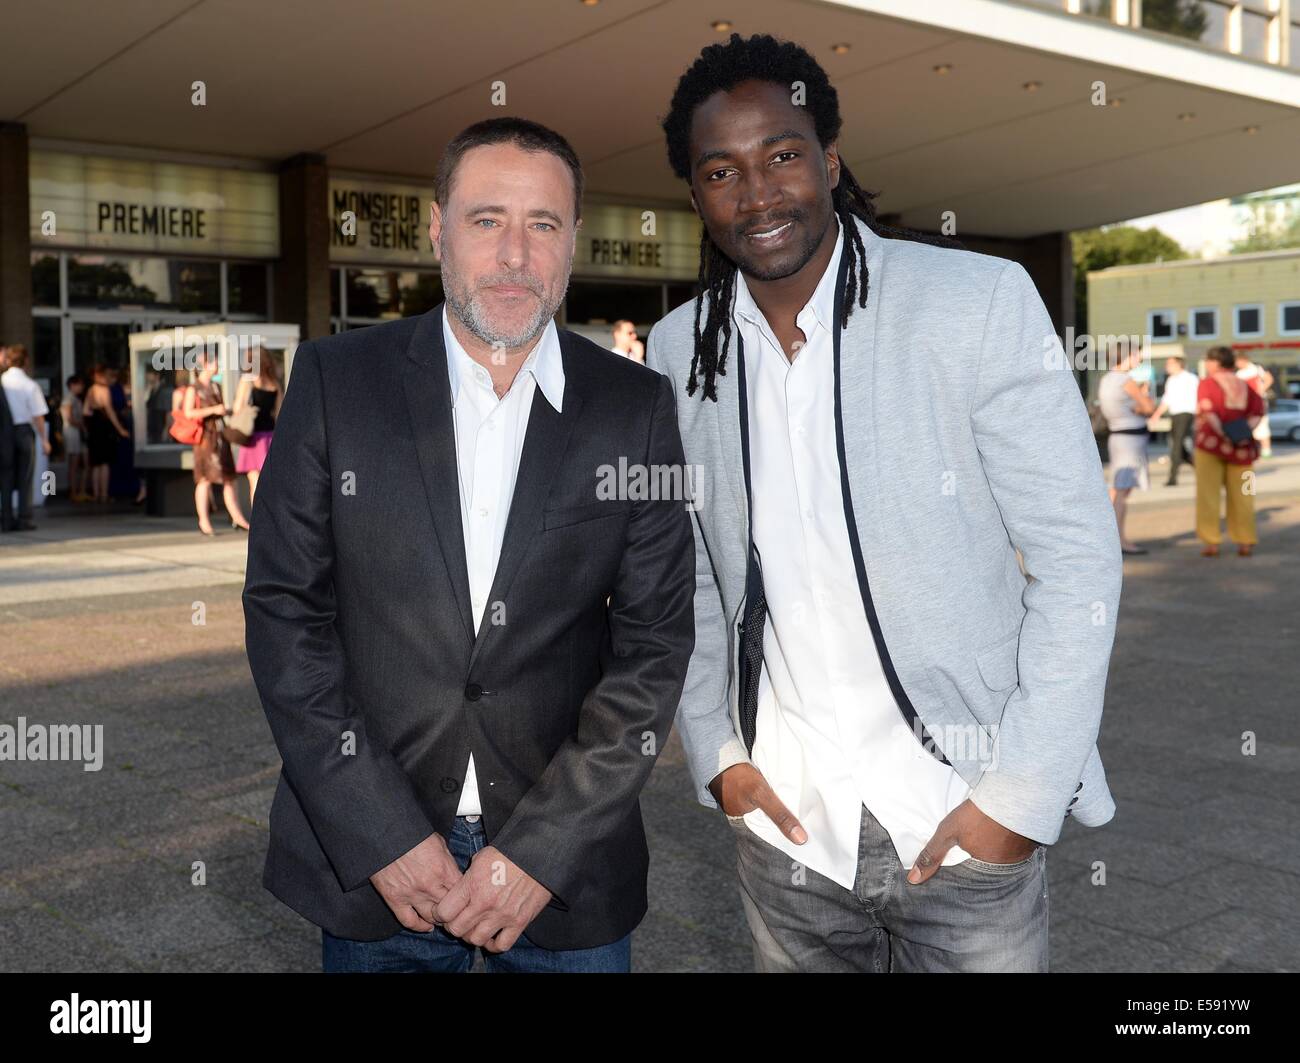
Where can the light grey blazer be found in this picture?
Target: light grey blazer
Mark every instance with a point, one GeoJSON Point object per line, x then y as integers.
{"type": "Point", "coordinates": [964, 441]}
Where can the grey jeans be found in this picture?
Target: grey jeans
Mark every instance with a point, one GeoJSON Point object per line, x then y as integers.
{"type": "Point", "coordinates": [971, 916]}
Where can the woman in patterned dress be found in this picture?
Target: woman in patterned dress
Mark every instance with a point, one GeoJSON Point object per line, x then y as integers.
{"type": "Point", "coordinates": [213, 462]}
{"type": "Point", "coordinates": [1222, 464]}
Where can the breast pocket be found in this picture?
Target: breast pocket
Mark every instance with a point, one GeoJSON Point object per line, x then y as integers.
{"type": "Point", "coordinates": [567, 516]}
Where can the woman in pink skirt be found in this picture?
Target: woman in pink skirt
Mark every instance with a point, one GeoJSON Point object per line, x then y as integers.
{"type": "Point", "coordinates": [266, 393]}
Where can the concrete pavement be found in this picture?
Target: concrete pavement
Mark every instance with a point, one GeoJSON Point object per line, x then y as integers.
{"type": "Point", "coordinates": [98, 869]}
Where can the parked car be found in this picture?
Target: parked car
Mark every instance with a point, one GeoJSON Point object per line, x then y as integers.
{"type": "Point", "coordinates": [1284, 419]}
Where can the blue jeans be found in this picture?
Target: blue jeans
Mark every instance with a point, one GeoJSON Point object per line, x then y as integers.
{"type": "Point", "coordinates": [435, 950]}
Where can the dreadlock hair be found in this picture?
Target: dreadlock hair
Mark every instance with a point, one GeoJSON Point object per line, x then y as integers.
{"type": "Point", "coordinates": [720, 68]}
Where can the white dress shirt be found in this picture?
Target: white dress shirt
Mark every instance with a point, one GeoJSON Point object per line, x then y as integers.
{"type": "Point", "coordinates": [1180, 392]}
{"type": "Point", "coordinates": [830, 736]}
{"type": "Point", "coordinates": [25, 397]}
{"type": "Point", "coordinates": [489, 440]}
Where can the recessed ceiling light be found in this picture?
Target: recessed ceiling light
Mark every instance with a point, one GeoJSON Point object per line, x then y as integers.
{"type": "Point", "coordinates": [841, 48]}
{"type": "Point", "coordinates": [590, 3]}
{"type": "Point", "coordinates": [943, 68]}
{"type": "Point", "coordinates": [1251, 130]}
{"type": "Point", "coordinates": [1032, 86]}
{"type": "Point", "coordinates": [722, 25]}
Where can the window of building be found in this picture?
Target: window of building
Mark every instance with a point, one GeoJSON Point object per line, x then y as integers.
{"type": "Point", "coordinates": [107, 281]}
{"type": "Point", "coordinates": [47, 351]}
{"type": "Point", "coordinates": [1288, 318]}
{"type": "Point", "coordinates": [1254, 30]}
{"type": "Point", "coordinates": [360, 297]}
{"type": "Point", "coordinates": [681, 293]}
{"type": "Point", "coordinates": [248, 289]}
{"type": "Point", "coordinates": [1205, 21]}
{"type": "Point", "coordinates": [45, 279]}
{"type": "Point", "coordinates": [1162, 325]}
{"type": "Point", "coordinates": [87, 303]}
{"type": "Point", "coordinates": [1248, 320]}
{"type": "Point", "coordinates": [598, 303]}
{"type": "Point", "coordinates": [1205, 322]}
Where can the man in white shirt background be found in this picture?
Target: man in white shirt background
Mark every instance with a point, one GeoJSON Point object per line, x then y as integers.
{"type": "Point", "coordinates": [1179, 401]}
{"type": "Point", "coordinates": [28, 409]}
{"type": "Point", "coordinates": [626, 342]}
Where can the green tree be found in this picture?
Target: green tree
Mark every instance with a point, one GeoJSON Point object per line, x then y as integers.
{"type": "Point", "coordinates": [1116, 245]}
{"type": "Point", "coordinates": [1268, 233]}
{"type": "Point", "coordinates": [1182, 18]}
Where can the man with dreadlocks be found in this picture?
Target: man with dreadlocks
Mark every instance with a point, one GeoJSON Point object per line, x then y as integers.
{"type": "Point", "coordinates": [877, 685]}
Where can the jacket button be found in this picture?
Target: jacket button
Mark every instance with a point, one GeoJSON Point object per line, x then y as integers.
{"type": "Point", "coordinates": [473, 692]}
{"type": "Point", "coordinates": [449, 785]}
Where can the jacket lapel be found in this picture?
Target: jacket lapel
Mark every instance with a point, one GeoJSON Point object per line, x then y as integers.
{"type": "Point", "coordinates": [428, 401]}
{"type": "Point", "coordinates": [727, 419]}
{"type": "Point", "coordinates": [545, 443]}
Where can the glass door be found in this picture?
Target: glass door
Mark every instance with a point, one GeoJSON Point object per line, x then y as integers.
{"type": "Point", "coordinates": [104, 342]}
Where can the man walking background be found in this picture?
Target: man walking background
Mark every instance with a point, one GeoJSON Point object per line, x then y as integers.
{"type": "Point", "coordinates": [1179, 401]}
{"type": "Point", "coordinates": [7, 522]}
{"type": "Point", "coordinates": [28, 410]}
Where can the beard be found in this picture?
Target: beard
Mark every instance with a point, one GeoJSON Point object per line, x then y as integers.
{"type": "Point", "coordinates": [466, 302]}
{"type": "Point", "coordinates": [741, 252]}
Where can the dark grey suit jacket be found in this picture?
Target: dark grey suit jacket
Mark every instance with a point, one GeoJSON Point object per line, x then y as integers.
{"type": "Point", "coordinates": [359, 628]}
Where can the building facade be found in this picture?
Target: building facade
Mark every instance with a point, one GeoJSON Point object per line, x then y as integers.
{"type": "Point", "coordinates": [122, 242]}
{"type": "Point", "coordinates": [1250, 303]}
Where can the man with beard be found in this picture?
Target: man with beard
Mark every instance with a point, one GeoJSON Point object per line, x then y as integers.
{"type": "Point", "coordinates": [893, 715]}
{"type": "Point", "coordinates": [468, 657]}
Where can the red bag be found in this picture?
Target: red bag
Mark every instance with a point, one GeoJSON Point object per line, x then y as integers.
{"type": "Point", "coordinates": [187, 430]}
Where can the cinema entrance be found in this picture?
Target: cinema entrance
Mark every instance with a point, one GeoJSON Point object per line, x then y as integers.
{"type": "Point", "coordinates": [123, 244]}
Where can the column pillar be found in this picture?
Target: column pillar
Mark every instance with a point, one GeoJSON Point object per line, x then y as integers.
{"type": "Point", "coordinates": [15, 238]}
{"type": "Point", "coordinates": [302, 274]}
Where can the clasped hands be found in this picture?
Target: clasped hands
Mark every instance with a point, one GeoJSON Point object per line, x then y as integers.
{"type": "Point", "coordinates": [489, 905]}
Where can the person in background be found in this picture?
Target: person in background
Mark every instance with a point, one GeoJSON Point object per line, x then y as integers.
{"type": "Point", "coordinates": [7, 522]}
{"type": "Point", "coordinates": [1260, 381]}
{"type": "Point", "coordinates": [124, 481]}
{"type": "Point", "coordinates": [74, 439]}
{"type": "Point", "coordinates": [102, 431]}
{"type": "Point", "coordinates": [626, 342]}
{"type": "Point", "coordinates": [157, 404]}
{"type": "Point", "coordinates": [1179, 401]}
{"type": "Point", "coordinates": [1224, 463]}
{"type": "Point", "coordinates": [213, 463]}
{"type": "Point", "coordinates": [1126, 405]}
{"type": "Point", "coordinates": [266, 393]}
{"type": "Point", "coordinates": [28, 410]}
